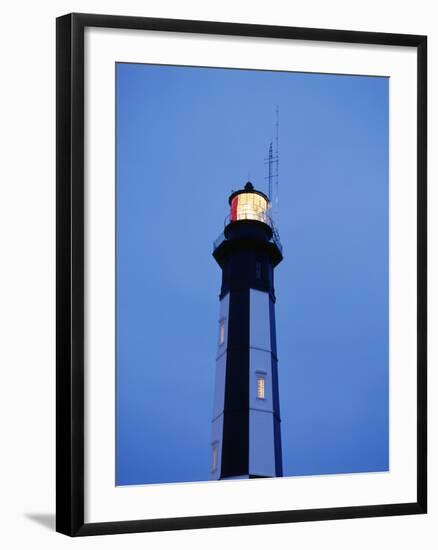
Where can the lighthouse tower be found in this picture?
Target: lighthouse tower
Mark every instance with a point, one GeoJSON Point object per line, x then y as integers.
{"type": "Point", "coordinates": [246, 437]}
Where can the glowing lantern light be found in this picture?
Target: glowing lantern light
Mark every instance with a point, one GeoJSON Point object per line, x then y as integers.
{"type": "Point", "coordinates": [249, 205]}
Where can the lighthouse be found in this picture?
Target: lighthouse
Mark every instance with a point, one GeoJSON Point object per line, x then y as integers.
{"type": "Point", "coordinates": [246, 435]}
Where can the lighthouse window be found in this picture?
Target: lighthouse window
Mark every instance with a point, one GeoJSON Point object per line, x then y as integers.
{"type": "Point", "coordinates": [249, 206]}
{"type": "Point", "coordinates": [260, 387]}
{"type": "Point", "coordinates": [222, 332]}
{"type": "Point", "coordinates": [214, 458]}
{"type": "Point", "coordinates": [258, 269]}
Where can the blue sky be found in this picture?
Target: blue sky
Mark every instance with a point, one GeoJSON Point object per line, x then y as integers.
{"type": "Point", "coordinates": [187, 137]}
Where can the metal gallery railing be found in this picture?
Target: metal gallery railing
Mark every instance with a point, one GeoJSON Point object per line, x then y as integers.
{"type": "Point", "coordinates": [262, 217]}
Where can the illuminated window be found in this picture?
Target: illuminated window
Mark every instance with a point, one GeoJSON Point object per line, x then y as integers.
{"type": "Point", "coordinates": [249, 206]}
{"type": "Point", "coordinates": [222, 332]}
{"type": "Point", "coordinates": [214, 458]}
{"type": "Point", "coordinates": [260, 387]}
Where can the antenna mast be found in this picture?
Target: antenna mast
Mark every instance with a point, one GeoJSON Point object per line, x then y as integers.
{"type": "Point", "coordinates": [270, 171]}
{"type": "Point", "coordinates": [273, 166]}
{"type": "Point", "coordinates": [277, 157]}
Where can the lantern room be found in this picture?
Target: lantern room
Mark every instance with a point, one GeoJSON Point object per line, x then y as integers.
{"type": "Point", "coordinates": [249, 204]}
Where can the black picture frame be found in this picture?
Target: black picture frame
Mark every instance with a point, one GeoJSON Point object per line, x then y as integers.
{"type": "Point", "coordinates": [70, 273]}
